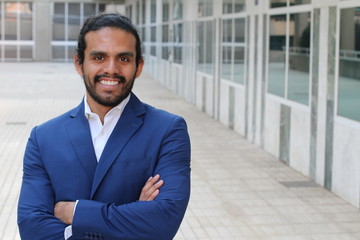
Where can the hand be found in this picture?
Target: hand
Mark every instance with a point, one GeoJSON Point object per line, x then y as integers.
{"type": "Point", "coordinates": [64, 211]}
{"type": "Point", "coordinates": [151, 189]}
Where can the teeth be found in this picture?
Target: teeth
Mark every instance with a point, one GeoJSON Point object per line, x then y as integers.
{"type": "Point", "coordinates": [110, 83]}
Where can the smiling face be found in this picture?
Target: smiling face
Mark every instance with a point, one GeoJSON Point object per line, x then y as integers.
{"type": "Point", "coordinates": [109, 68]}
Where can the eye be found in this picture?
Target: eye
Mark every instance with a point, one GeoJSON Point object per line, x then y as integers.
{"type": "Point", "coordinates": [123, 59]}
{"type": "Point", "coordinates": [98, 58]}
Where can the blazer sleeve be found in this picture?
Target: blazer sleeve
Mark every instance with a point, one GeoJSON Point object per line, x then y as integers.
{"type": "Point", "coordinates": [36, 218]}
{"type": "Point", "coordinates": [158, 219]}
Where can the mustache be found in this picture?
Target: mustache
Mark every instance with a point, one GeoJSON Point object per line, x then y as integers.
{"type": "Point", "coordinates": [120, 78]}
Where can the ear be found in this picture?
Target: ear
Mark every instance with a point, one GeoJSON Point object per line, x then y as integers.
{"type": "Point", "coordinates": [78, 65]}
{"type": "Point", "coordinates": [139, 68]}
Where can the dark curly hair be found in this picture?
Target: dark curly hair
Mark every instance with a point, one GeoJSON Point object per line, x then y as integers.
{"type": "Point", "coordinates": [101, 20]}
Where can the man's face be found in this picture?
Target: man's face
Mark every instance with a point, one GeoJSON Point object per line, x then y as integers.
{"type": "Point", "coordinates": [109, 67]}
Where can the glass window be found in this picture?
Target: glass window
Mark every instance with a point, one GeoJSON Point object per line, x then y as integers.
{"type": "Point", "coordinates": [227, 6]}
{"type": "Point", "coordinates": [227, 49]}
{"type": "Point", "coordinates": [58, 52]}
{"type": "Point", "coordinates": [137, 12]}
{"type": "Point", "coordinates": [205, 8]}
{"type": "Point", "coordinates": [178, 39]}
{"type": "Point", "coordinates": [143, 12]}
{"type": "Point", "coordinates": [239, 5]}
{"type": "Point", "coordinates": [26, 21]}
{"type": "Point", "coordinates": [11, 10]}
{"type": "Point", "coordinates": [26, 52]}
{"type": "Point", "coordinates": [153, 11]}
{"type": "Point", "coordinates": [349, 64]}
{"type": "Point", "coordinates": [1, 13]}
{"type": "Point", "coordinates": [299, 57]}
{"type": "Point", "coordinates": [278, 3]}
{"type": "Point", "coordinates": [153, 40]}
{"type": "Point", "coordinates": [299, 2]}
{"type": "Point", "coordinates": [89, 9]}
{"type": "Point", "coordinates": [239, 64]}
{"type": "Point", "coordinates": [59, 22]}
{"type": "Point", "coordinates": [102, 7]}
{"type": "Point", "coordinates": [277, 55]}
{"type": "Point", "coordinates": [165, 10]}
{"type": "Point", "coordinates": [11, 53]}
{"type": "Point", "coordinates": [226, 63]}
{"type": "Point", "coordinates": [206, 46]}
{"type": "Point", "coordinates": [227, 30]}
{"type": "Point", "coordinates": [178, 9]}
{"type": "Point", "coordinates": [74, 21]}
{"type": "Point", "coordinates": [165, 41]}
{"type": "Point", "coordinates": [240, 30]}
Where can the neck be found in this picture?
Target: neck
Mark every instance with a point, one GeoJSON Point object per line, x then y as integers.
{"type": "Point", "coordinates": [97, 108]}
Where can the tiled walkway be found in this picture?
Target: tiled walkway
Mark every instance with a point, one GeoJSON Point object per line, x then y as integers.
{"type": "Point", "coordinates": [238, 190]}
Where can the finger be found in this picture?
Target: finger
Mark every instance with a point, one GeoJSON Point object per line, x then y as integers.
{"type": "Point", "coordinates": [150, 182]}
{"type": "Point", "coordinates": [154, 187]}
{"type": "Point", "coordinates": [153, 195]}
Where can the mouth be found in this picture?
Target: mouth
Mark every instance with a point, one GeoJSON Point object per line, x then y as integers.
{"type": "Point", "coordinates": [109, 82]}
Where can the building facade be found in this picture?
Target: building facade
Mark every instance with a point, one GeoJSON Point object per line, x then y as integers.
{"type": "Point", "coordinates": [285, 74]}
{"type": "Point", "coordinates": [45, 30]}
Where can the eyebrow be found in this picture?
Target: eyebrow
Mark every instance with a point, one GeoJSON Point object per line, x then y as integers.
{"type": "Point", "coordinates": [129, 54]}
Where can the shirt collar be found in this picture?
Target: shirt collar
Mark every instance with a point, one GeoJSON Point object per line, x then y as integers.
{"type": "Point", "coordinates": [119, 108]}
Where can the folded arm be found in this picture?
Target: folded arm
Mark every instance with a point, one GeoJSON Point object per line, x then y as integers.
{"type": "Point", "coordinates": [158, 219]}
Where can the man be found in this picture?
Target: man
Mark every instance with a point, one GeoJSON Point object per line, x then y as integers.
{"type": "Point", "coordinates": [87, 173]}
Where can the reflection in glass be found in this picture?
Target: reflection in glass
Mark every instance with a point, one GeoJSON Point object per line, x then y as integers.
{"type": "Point", "coordinates": [278, 3]}
{"type": "Point", "coordinates": [239, 5]}
{"type": "Point", "coordinates": [205, 8]}
{"type": "Point", "coordinates": [59, 21]}
{"type": "Point", "coordinates": [71, 52]}
{"type": "Point", "coordinates": [58, 52]}
{"type": "Point", "coordinates": [165, 42]}
{"type": "Point", "coordinates": [227, 30]}
{"type": "Point", "coordinates": [240, 30]}
{"type": "Point", "coordinates": [26, 21]}
{"type": "Point", "coordinates": [153, 11]}
{"type": "Point", "coordinates": [0, 23]}
{"type": "Point", "coordinates": [299, 58]}
{"type": "Point", "coordinates": [11, 10]}
{"type": "Point", "coordinates": [143, 7]}
{"type": "Point", "coordinates": [206, 46]}
{"type": "Point", "coordinates": [178, 39]}
{"type": "Point", "coordinates": [299, 2]}
{"type": "Point", "coordinates": [226, 63]}
{"type": "Point", "coordinates": [89, 9]}
{"type": "Point", "coordinates": [227, 6]}
{"type": "Point", "coordinates": [10, 53]}
{"type": "Point", "coordinates": [153, 40]}
{"type": "Point", "coordinates": [73, 21]}
{"type": "Point", "coordinates": [277, 55]}
{"type": "Point", "coordinates": [165, 10]}
{"type": "Point", "coordinates": [26, 52]}
{"type": "Point", "coordinates": [178, 9]}
{"type": "Point", "coordinates": [349, 64]}
{"type": "Point", "coordinates": [239, 64]}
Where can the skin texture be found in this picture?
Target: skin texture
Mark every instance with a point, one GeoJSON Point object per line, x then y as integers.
{"type": "Point", "coordinates": [110, 56]}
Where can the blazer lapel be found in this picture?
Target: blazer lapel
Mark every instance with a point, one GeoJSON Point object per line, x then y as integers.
{"type": "Point", "coordinates": [125, 128]}
{"type": "Point", "coordinates": [79, 133]}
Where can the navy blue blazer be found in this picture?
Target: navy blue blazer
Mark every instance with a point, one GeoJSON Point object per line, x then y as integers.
{"type": "Point", "coordinates": [60, 165]}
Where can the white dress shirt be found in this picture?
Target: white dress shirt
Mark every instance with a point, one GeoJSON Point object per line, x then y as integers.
{"type": "Point", "coordinates": [100, 134]}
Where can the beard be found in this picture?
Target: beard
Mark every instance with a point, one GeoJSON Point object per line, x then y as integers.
{"type": "Point", "coordinates": [111, 100]}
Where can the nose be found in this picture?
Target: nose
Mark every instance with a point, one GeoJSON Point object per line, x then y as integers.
{"type": "Point", "coordinates": [110, 67]}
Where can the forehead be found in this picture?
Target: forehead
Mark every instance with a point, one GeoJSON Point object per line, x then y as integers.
{"type": "Point", "coordinates": [110, 39]}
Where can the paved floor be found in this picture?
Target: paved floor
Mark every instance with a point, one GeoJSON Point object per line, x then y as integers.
{"type": "Point", "coordinates": [238, 190]}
